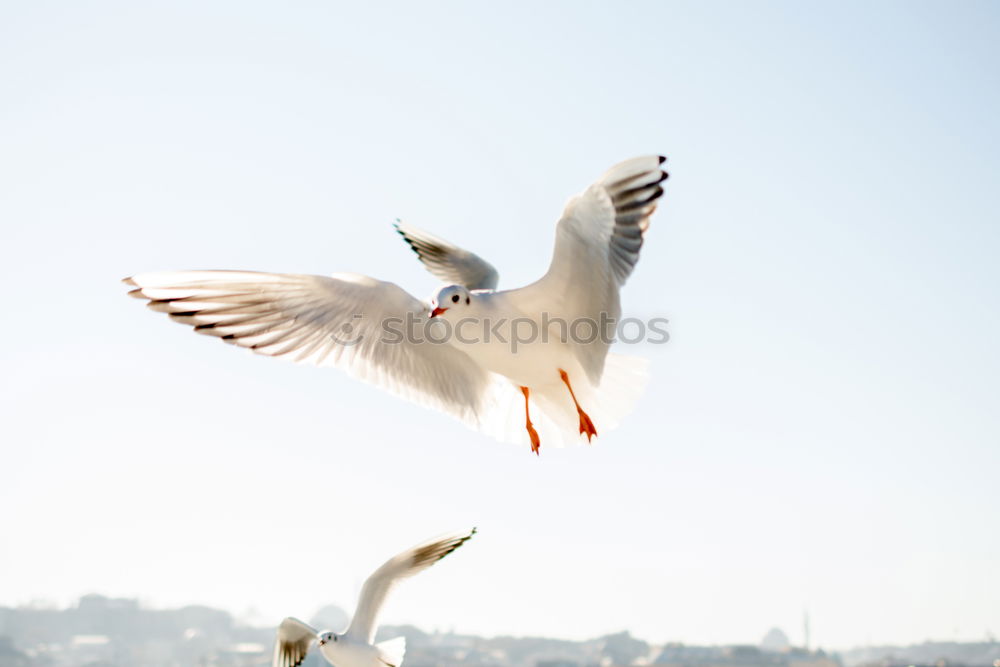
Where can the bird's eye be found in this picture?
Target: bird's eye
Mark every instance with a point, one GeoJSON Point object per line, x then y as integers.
{"type": "Point", "coordinates": [454, 298]}
{"type": "Point", "coordinates": [467, 301]}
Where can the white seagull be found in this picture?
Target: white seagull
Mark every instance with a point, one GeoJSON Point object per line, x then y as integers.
{"type": "Point", "coordinates": [356, 647]}
{"type": "Point", "coordinates": [491, 358]}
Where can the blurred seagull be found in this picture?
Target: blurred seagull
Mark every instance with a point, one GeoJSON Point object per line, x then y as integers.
{"type": "Point", "coordinates": [356, 647]}
{"type": "Point", "coordinates": [491, 358]}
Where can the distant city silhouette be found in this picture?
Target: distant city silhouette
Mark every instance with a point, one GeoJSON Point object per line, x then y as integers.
{"type": "Point", "coordinates": [108, 632]}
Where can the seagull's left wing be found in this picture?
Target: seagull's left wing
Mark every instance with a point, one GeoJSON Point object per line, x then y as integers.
{"type": "Point", "coordinates": [292, 643]}
{"type": "Point", "coordinates": [598, 240]}
{"type": "Point", "coordinates": [406, 564]}
{"type": "Point", "coordinates": [449, 262]}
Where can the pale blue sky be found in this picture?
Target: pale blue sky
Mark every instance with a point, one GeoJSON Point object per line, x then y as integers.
{"type": "Point", "coordinates": [821, 432]}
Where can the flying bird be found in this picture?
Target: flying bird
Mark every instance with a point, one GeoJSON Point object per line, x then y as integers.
{"type": "Point", "coordinates": [515, 364]}
{"type": "Point", "coordinates": [356, 647]}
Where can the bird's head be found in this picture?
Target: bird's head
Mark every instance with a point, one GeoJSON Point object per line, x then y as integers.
{"type": "Point", "coordinates": [451, 297]}
{"type": "Point", "coordinates": [326, 637]}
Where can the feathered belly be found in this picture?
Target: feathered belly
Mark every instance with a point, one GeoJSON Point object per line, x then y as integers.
{"type": "Point", "coordinates": [530, 364]}
{"type": "Point", "coordinates": [351, 654]}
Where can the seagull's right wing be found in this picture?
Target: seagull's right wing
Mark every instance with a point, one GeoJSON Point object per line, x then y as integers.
{"type": "Point", "coordinates": [372, 329]}
{"type": "Point", "coordinates": [292, 643]}
{"type": "Point", "coordinates": [449, 262]}
{"type": "Point", "coordinates": [406, 564]}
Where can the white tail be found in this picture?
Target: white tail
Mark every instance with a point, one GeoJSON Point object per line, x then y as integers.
{"type": "Point", "coordinates": [552, 411]}
{"type": "Point", "coordinates": [391, 651]}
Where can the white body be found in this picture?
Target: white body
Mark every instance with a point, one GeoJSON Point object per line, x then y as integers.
{"type": "Point", "coordinates": [350, 652]}
{"type": "Point", "coordinates": [502, 350]}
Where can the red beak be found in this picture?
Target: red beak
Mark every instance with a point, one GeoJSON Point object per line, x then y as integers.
{"type": "Point", "coordinates": [437, 311]}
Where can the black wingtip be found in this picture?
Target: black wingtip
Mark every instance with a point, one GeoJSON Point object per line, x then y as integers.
{"type": "Point", "coordinates": [410, 242]}
{"type": "Point", "coordinates": [662, 158]}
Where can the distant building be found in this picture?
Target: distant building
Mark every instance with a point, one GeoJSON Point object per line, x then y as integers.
{"type": "Point", "coordinates": [330, 617]}
{"type": "Point", "coordinates": [775, 640]}
{"type": "Point", "coordinates": [679, 655]}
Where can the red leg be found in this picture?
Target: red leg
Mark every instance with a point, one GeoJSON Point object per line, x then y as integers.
{"type": "Point", "coordinates": [536, 444]}
{"type": "Point", "coordinates": [586, 426]}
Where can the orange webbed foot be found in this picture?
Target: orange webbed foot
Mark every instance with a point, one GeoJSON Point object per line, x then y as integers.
{"type": "Point", "coordinates": [536, 443]}
{"type": "Point", "coordinates": [587, 426]}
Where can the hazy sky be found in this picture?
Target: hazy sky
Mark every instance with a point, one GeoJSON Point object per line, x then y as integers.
{"type": "Point", "coordinates": [821, 432]}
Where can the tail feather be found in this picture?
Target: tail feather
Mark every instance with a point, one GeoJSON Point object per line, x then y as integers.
{"type": "Point", "coordinates": [552, 410]}
{"type": "Point", "coordinates": [623, 382]}
{"type": "Point", "coordinates": [391, 651]}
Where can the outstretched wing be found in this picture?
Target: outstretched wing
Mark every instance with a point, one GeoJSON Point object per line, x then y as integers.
{"type": "Point", "coordinates": [597, 245]}
{"type": "Point", "coordinates": [449, 262]}
{"type": "Point", "coordinates": [406, 564]}
{"type": "Point", "coordinates": [292, 643]}
{"type": "Point", "coordinates": [372, 329]}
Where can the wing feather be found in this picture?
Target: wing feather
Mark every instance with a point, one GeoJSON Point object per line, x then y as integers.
{"type": "Point", "coordinates": [449, 262]}
{"type": "Point", "coordinates": [598, 239]}
{"type": "Point", "coordinates": [292, 643]}
{"type": "Point", "coordinates": [384, 579]}
{"type": "Point", "coordinates": [347, 321]}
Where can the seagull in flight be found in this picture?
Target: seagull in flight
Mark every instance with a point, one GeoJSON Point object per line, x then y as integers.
{"type": "Point", "coordinates": [515, 364]}
{"type": "Point", "coordinates": [356, 647]}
